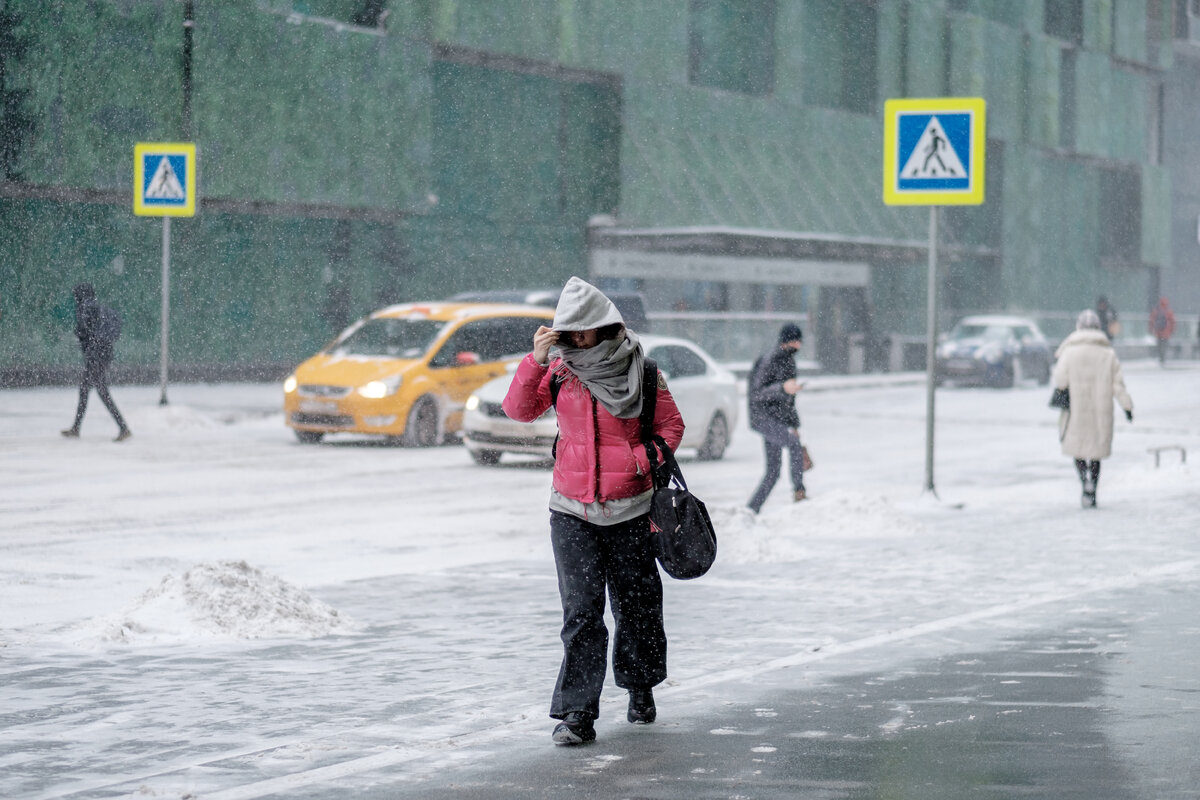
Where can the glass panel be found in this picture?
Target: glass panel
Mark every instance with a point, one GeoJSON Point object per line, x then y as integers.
{"type": "Point", "coordinates": [731, 45]}
{"type": "Point", "coordinates": [393, 338]}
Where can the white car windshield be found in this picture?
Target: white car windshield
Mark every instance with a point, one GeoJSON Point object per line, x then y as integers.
{"type": "Point", "coordinates": [393, 338]}
{"type": "Point", "coordinates": [990, 333]}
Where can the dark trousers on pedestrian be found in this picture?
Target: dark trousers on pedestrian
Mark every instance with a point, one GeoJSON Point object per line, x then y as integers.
{"type": "Point", "coordinates": [1086, 468]}
{"type": "Point", "coordinates": [95, 376]}
{"type": "Point", "coordinates": [776, 437]}
{"type": "Point", "coordinates": [591, 558]}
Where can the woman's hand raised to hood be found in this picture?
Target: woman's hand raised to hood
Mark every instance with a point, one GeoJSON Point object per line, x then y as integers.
{"type": "Point", "coordinates": [543, 339]}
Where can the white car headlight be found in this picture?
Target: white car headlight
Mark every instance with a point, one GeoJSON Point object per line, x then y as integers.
{"type": "Point", "coordinates": [289, 384]}
{"type": "Point", "coordinates": [379, 389]}
{"type": "Point", "coordinates": [991, 353]}
{"type": "Point", "coordinates": [472, 402]}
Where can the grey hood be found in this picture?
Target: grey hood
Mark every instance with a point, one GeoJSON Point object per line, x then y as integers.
{"type": "Point", "coordinates": [612, 370]}
{"type": "Point", "coordinates": [582, 307]}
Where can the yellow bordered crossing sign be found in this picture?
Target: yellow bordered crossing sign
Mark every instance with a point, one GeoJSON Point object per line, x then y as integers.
{"type": "Point", "coordinates": [164, 179]}
{"type": "Point", "coordinates": [933, 151]}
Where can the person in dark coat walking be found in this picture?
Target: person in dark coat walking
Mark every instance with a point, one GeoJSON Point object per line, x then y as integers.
{"type": "Point", "coordinates": [97, 328]}
{"type": "Point", "coordinates": [772, 399]}
{"type": "Point", "coordinates": [1108, 318]}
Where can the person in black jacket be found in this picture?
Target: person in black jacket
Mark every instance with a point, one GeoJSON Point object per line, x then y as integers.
{"type": "Point", "coordinates": [772, 399]}
{"type": "Point", "coordinates": [97, 328]}
{"type": "Point", "coordinates": [1108, 318]}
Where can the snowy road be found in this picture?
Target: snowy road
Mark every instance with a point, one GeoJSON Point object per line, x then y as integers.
{"type": "Point", "coordinates": [212, 609]}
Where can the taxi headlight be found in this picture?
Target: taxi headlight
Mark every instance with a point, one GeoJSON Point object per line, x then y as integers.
{"type": "Point", "coordinates": [472, 402]}
{"type": "Point", "coordinates": [289, 384]}
{"type": "Point", "coordinates": [378, 389]}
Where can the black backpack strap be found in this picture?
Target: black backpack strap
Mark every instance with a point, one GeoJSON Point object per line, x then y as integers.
{"type": "Point", "coordinates": [649, 399]}
{"type": "Point", "coordinates": [556, 381]}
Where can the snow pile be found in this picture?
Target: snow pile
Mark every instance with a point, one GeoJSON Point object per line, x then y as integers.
{"type": "Point", "coordinates": [223, 599]}
{"type": "Point", "coordinates": [783, 533]}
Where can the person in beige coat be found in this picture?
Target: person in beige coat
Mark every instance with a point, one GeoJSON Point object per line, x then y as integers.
{"type": "Point", "coordinates": [1087, 366]}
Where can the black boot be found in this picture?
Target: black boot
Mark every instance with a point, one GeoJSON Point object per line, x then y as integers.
{"type": "Point", "coordinates": [575, 728]}
{"type": "Point", "coordinates": [641, 706]}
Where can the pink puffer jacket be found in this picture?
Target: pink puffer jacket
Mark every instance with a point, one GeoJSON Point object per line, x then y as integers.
{"type": "Point", "coordinates": [600, 457]}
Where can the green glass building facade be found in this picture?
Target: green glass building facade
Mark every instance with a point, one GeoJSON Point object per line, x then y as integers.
{"type": "Point", "coordinates": [354, 153]}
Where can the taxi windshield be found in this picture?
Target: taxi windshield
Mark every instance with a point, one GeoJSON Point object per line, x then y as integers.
{"type": "Point", "coordinates": [392, 338]}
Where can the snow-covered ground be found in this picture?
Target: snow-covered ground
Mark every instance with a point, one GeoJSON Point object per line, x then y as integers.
{"type": "Point", "coordinates": [212, 609]}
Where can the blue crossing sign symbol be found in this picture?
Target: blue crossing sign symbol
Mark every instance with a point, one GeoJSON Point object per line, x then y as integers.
{"type": "Point", "coordinates": [164, 179]}
{"type": "Point", "coordinates": [934, 151]}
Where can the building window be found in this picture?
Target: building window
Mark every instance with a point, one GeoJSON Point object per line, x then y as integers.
{"type": "Point", "coordinates": [1064, 20]}
{"type": "Point", "coordinates": [839, 42]}
{"type": "Point", "coordinates": [731, 45]}
{"type": "Point", "coordinates": [1066, 98]}
{"type": "Point", "coordinates": [1155, 93]}
{"type": "Point", "coordinates": [1187, 20]}
{"type": "Point", "coordinates": [1120, 215]}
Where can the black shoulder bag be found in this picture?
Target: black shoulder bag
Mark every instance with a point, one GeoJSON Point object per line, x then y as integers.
{"type": "Point", "coordinates": [1061, 398]}
{"type": "Point", "coordinates": [685, 540]}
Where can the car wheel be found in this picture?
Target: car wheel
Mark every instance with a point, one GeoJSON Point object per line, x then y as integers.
{"type": "Point", "coordinates": [486, 458]}
{"type": "Point", "coordinates": [1044, 378]}
{"type": "Point", "coordinates": [716, 439]}
{"type": "Point", "coordinates": [309, 437]}
{"type": "Point", "coordinates": [422, 427]}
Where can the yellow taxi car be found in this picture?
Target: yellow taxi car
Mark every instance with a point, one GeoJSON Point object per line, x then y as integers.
{"type": "Point", "coordinates": [406, 371]}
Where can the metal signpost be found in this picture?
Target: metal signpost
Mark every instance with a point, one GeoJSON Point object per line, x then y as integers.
{"type": "Point", "coordinates": [933, 155]}
{"type": "Point", "coordinates": [164, 185]}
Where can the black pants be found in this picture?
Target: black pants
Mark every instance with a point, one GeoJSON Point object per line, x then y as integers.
{"type": "Point", "coordinates": [95, 376]}
{"type": "Point", "coordinates": [1084, 467]}
{"type": "Point", "coordinates": [774, 440]}
{"type": "Point", "coordinates": [591, 558]}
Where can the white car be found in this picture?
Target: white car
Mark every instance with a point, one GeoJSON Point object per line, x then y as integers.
{"type": "Point", "coordinates": [705, 392]}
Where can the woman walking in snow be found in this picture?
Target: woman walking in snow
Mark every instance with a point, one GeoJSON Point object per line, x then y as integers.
{"type": "Point", "coordinates": [599, 504]}
{"type": "Point", "coordinates": [1088, 367]}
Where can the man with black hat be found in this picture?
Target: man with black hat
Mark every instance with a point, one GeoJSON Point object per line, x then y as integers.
{"type": "Point", "coordinates": [772, 399]}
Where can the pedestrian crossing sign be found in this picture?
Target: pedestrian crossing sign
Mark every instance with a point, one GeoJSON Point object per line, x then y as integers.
{"type": "Point", "coordinates": [933, 151]}
{"type": "Point", "coordinates": [164, 179]}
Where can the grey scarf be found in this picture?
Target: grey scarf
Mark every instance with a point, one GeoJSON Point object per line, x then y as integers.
{"type": "Point", "coordinates": [612, 372]}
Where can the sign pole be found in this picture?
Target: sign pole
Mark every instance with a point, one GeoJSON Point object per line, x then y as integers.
{"type": "Point", "coordinates": [164, 184]}
{"type": "Point", "coordinates": [166, 309]}
{"type": "Point", "coordinates": [933, 155]}
{"type": "Point", "coordinates": [931, 348]}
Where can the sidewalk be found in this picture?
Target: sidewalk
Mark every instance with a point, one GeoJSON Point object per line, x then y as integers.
{"type": "Point", "coordinates": [1093, 702]}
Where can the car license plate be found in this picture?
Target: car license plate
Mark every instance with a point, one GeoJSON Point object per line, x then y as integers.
{"type": "Point", "coordinates": [318, 407]}
{"type": "Point", "coordinates": [514, 429]}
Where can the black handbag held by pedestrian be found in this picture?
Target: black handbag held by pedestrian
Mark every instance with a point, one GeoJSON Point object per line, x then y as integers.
{"type": "Point", "coordinates": [685, 539]}
{"type": "Point", "coordinates": [1061, 398]}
